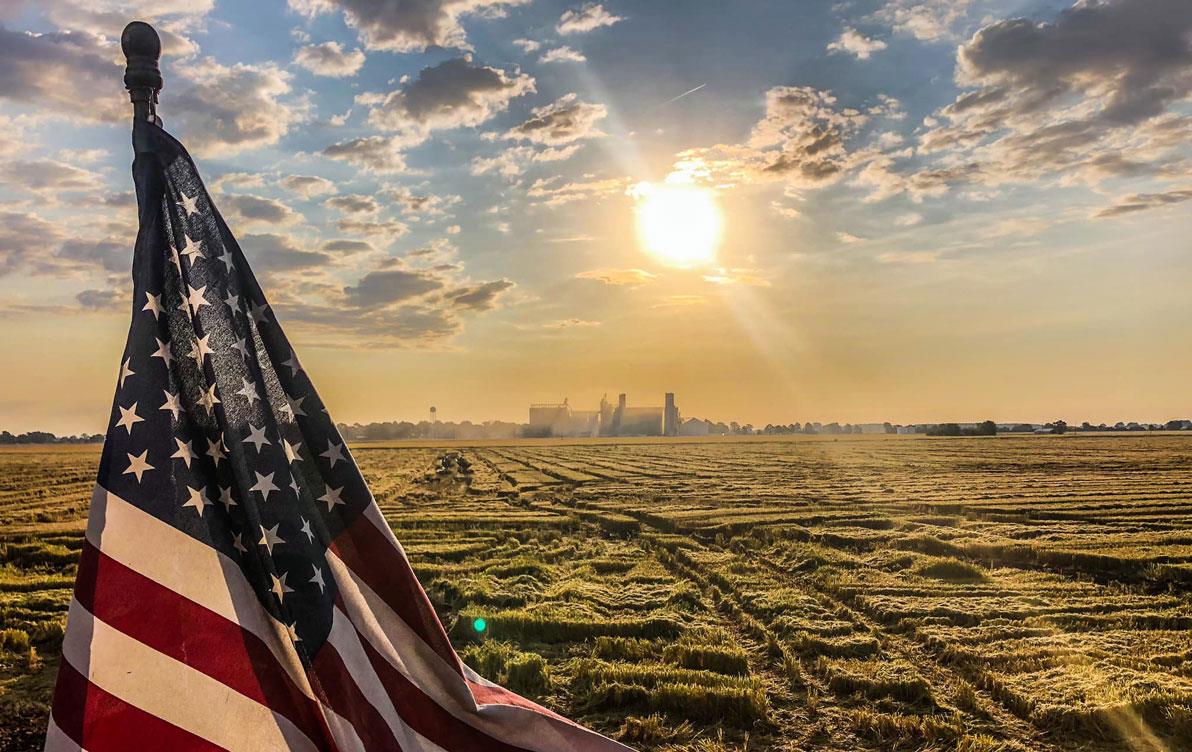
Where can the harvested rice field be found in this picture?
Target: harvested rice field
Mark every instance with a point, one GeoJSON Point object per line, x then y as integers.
{"type": "Point", "coordinates": [806, 593]}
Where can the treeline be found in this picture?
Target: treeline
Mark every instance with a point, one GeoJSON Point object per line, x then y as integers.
{"type": "Point", "coordinates": [44, 437]}
{"type": "Point", "coordinates": [404, 429]}
{"type": "Point", "coordinates": [812, 428]}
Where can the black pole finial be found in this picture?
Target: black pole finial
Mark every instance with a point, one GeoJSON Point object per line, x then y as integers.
{"type": "Point", "coordinates": [142, 77]}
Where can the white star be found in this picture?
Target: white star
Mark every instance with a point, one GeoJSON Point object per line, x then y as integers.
{"type": "Point", "coordinates": [334, 453]}
{"type": "Point", "coordinates": [280, 588]}
{"type": "Point", "coordinates": [129, 417]}
{"type": "Point", "coordinates": [294, 407]}
{"type": "Point", "coordinates": [227, 259]}
{"type": "Point", "coordinates": [153, 305]}
{"type": "Point", "coordinates": [216, 450]}
{"type": "Point", "coordinates": [292, 630]}
{"type": "Point", "coordinates": [257, 436]}
{"type": "Point", "coordinates": [225, 498]}
{"type": "Point", "coordinates": [318, 579]}
{"type": "Point", "coordinates": [232, 301]}
{"type": "Point", "coordinates": [264, 485]}
{"type": "Point", "coordinates": [174, 258]}
{"type": "Point", "coordinates": [238, 543]}
{"type": "Point", "coordinates": [197, 499]}
{"type": "Point", "coordinates": [172, 403]}
{"type": "Point", "coordinates": [163, 352]}
{"type": "Point", "coordinates": [185, 452]}
{"type": "Point", "coordinates": [209, 400]}
{"type": "Point", "coordinates": [310, 536]}
{"type": "Point", "coordinates": [196, 299]}
{"type": "Point", "coordinates": [291, 450]}
{"type": "Point", "coordinates": [195, 252]}
{"type": "Point", "coordinates": [257, 312]}
{"type": "Point", "coordinates": [294, 486]}
{"type": "Point", "coordinates": [249, 390]}
{"type": "Point", "coordinates": [332, 497]}
{"type": "Point", "coordinates": [242, 348]}
{"type": "Point", "coordinates": [188, 204]}
{"type": "Point", "coordinates": [270, 538]}
{"type": "Point", "coordinates": [126, 371]}
{"type": "Point", "coordinates": [138, 465]}
{"type": "Point", "coordinates": [293, 364]}
{"type": "Point", "coordinates": [199, 349]}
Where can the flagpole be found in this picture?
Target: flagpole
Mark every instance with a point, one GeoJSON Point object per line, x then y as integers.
{"type": "Point", "coordinates": [142, 77]}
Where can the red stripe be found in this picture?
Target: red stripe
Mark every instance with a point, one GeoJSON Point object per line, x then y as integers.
{"type": "Point", "coordinates": [486, 695]}
{"type": "Point", "coordinates": [101, 722]}
{"type": "Point", "coordinates": [373, 558]}
{"type": "Point", "coordinates": [426, 716]}
{"type": "Point", "coordinates": [339, 692]}
{"type": "Point", "coordinates": [191, 634]}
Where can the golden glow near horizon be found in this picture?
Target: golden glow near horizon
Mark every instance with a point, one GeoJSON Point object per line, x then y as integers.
{"type": "Point", "coordinates": [680, 225]}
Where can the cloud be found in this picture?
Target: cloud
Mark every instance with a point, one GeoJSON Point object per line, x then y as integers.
{"type": "Point", "coordinates": [251, 209]}
{"type": "Point", "coordinates": [406, 26]}
{"type": "Point", "coordinates": [224, 110]}
{"type": "Point", "coordinates": [387, 286]}
{"type": "Point", "coordinates": [910, 219]}
{"type": "Point", "coordinates": [553, 193]}
{"type": "Point", "coordinates": [586, 18]}
{"type": "Point", "coordinates": [563, 121]}
{"type": "Point", "coordinates": [925, 20]}
{"type": "Point", "coordinates": [1143, 201]}
{"type": "Point", "coordinates": [307, 186]}
{"type": "Point", "coordinates": [347, 247]}
{"type": "Point", "coordinates": [527, 45]}
{"type": "Point", "coordinates": [98, 299]}
{"type": "Point", "coordinates": [514, 161]}
{"type": "Point", "coordinates": [372, 153]}
{"type": "Point", "coordinates": [480, 297]}
{"type": "Point", "coordinates": [237, 180]}
{"type": "Point", "coordinates": [329, 59]}
{"type": "Point", "coordinates": [857, 44]}
{"type": "Point", "coordinates": [562, 54]}
{"type": "Point", "coordinates": [70, 73]}
{"type": "Point", "coordinates": [353, 203]}
{"type": "Point", "coordinates": [24, 240]}
{"type": "Point", "coordinates": [48, 176]}
{"type": "Point", "coordinates": [268, 252]}
{"type": "Point", "coordinates": [734, 276]}
{"type": "Point", "coordinates": [572, 323]}
{"type": "Point", "coordinates": [848, 238]}
{"type": "Point", "coordinates": [453, 94]}
{"type": "Point", "coordinates": [110, 255]}
{"type": "Point", "coordinates": [619, 277]}
{"type": "Point", "coordinates": [417, 204]}
{"type": "Point", "coordinates": [388, 230]}
{"type": "Point", "coordinates": [1097, 92]}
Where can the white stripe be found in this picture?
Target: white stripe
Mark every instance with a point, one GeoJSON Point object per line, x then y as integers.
{"type": "Point", "coordinates": [194, 570]}
{"type": "Point", "coordinates": [405, 650]}
{"type": "Point", "coordinates": [346, 643]}
{"type": "Point", "coordinates": [58, 741]}
{"type": "Point", "coordinates": [173, 691]}
{"type": "Point", "coordinates": [190, 568]}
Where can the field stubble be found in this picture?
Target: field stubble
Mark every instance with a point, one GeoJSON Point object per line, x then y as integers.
{"type": "Point", "coordinates": [1019, 593]}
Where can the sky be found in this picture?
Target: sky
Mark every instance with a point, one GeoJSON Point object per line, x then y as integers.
{"type": "Point", "coordinates": [890, 210]}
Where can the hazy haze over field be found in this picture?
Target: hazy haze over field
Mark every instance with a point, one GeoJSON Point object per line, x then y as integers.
{"type": "Point", "coordinates": [929, 210]}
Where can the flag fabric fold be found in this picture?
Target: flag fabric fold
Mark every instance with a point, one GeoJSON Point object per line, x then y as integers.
{"type": "Point", "coordinates": [239, 588]}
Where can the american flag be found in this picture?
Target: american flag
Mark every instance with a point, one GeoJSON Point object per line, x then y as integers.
{"type": "Point", "coordinates": [239, 588]}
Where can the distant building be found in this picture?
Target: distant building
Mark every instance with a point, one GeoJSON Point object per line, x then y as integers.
{"type": "Point", "coordinates": [695, 427]}
{"type": "Point", "coordinates": [670, 416]}
{"type": "Point", "coordinates": [559, 419]}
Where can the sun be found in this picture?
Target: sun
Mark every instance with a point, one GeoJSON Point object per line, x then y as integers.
{"type": "Point", "coordinates": [680, 225]}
